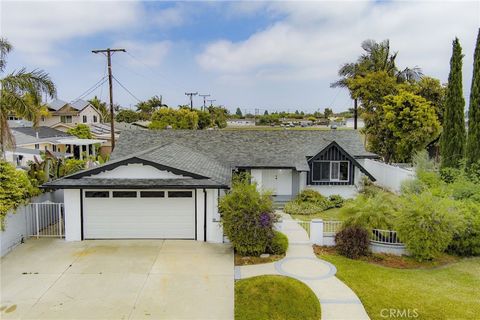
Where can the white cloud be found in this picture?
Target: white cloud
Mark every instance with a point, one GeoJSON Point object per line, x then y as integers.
{"type": "Point", "coordinates": [150, 54]}
{"type": "Point", "coordinates": [36, 28]}
{"type": "Point", "coordinates": [315, 38]}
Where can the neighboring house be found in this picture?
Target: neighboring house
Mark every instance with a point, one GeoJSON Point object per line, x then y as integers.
{"type": "Point", "coordinates": [31, 142]}
{"type": "Point", "coordinates": [166, 184]}
{"type": "Point", "coordinates": [240, 122]}
{"type": "Point", "coordinates": [71, 114]}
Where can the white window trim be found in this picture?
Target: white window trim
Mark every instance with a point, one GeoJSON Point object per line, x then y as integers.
{"type": "Point", "coordinates": [330, 179]}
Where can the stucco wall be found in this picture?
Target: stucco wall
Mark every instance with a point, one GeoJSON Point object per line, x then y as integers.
{"type": "Point", "coordinates": [73, 221]}
{"type": "Point", "coordinates": [347, 191]}
{"type": "Point", "coordinates": [388, 176]}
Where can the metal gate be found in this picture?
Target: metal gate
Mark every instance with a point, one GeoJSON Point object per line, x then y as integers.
{"type": "Point", "coordinates": [45, 219]}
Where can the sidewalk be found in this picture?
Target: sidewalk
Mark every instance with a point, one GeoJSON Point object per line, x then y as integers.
{"type": "Point", "coordinates": [337, 300]}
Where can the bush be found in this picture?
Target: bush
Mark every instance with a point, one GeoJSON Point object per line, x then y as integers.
{"type": "Point", "coordinates": [278, 244]}
{"type": "Point", "coordinates": [378, 211]}
{"type": "Point", "coordinates": [426, 225]}
{"type": "Point", "coordinates": [352, 242]}
{"type": "Point", "coordinates": [466, 238]}
{"type": "Point", "coordinates": [309, 202]}
{"type": "Point", "coordinates": [336, 201]}
{"type": "Point", "coordinates": [247, 217]}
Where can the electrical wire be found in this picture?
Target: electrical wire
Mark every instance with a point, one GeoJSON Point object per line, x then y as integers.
{"type": "Point", "coordinates": [91, 89]}
{"type": "Point", "coordinates": [124, 88]}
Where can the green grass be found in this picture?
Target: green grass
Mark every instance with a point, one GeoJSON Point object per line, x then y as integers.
{"type": "Point", "coordinates": [275, 297]}
{"type": "Point", "coordinates": [448, 292]}
{"type": "Point", "coordinates": [330, 214]}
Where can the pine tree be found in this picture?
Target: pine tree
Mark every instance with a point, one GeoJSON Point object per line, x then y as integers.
{"type": "Point", "coordinates": [473, 139]}
{"type": "Point", "coordinates": [239, 113]}
{"type": "Point", "coordinates": [452, 144]}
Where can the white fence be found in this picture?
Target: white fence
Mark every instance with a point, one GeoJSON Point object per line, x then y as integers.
{"type": "Point", "coordinates": [16, 229]}
{"type": "Point", "coordinates": [387, 176]}
{"type": "Point", "coordinates": [323, 233]}
{"type": "Point", "coordinates": [45, 220]}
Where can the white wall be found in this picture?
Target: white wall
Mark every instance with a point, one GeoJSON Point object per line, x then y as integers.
{"type": "Point", "coordinates": [257, 177]}
{"type": "Point", "coordinates": [348, 191]}
{"type": "Point", "coordinates": [387, 176]}
{"type": "Point", "coordinates": [278, 181]}
{"type": "Point", "coordinates": [137, 171]}
{"type": "Point", "coordinates": [15, 222]}
{"type": "Point", "coordinates": [214, 228]}
{"type": "Point", "coordinates": [73, 221]}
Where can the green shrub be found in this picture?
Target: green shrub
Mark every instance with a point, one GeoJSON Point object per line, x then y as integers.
{"type": "Point", "coordinates": [378, 211]}
{"type": "Point", "coordinates": [426, 224]}
{"type": "Point", "coordinates": [304, 208]}
{"type": "Point", "coordinates": [466, 238]}
{"type": "Point", "coordinates": [336, 200]}
{"type": "Point", "coordinates": [247, 217]}
{"type": "Point", "coordinates": [352, 242]}
{"type": "Point", "coordinates": [413, 186]}
{"type": "Point", "coordinates": [310, 195]}
{"type": "Point", "coordinates": [278, 244]}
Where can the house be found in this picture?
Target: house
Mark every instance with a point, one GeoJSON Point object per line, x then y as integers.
{"type": "Point", "coordinates": [166, 184]}
{"type": "Point", "coordinates": [31, 142]}
{"type": "Point", "coordinates": [70, 114]}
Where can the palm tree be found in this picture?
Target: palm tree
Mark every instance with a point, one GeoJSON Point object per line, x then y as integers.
{"type": "Point", "coordinates": [14, 87]}
{"type": "Point", "coordinates": [101, 107]}
{"type": "Point", "coordinates": [377, 57]}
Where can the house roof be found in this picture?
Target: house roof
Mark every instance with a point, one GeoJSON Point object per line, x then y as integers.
{"type": "Point", "coordinates": [57, 104]}
{"type": "Point", "coordinates": [28, 135]}
{"type": "Point", "coordinates": [199, 169]}
{"type": "Point", "coordinates": [250, 149]}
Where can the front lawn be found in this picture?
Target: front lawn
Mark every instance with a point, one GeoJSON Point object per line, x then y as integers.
{"type": "Point", "coordinates": [330, 214]}
{"type": "Point", "coordinates": [448, 292]}
{"type": "Point", "coordinates": [275, 297]}
{"type": "Point", "coordinates": [249, 260]}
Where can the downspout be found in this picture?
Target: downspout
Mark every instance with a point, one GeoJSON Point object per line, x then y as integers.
{"type": "Point", "coordinates": [204, 215]}
{"type": "Point", "coordinates": [81, 214]}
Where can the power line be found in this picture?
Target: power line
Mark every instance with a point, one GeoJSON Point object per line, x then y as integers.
{"type": "Point", "coordinates": [124, 88]}
{"type": "Point", "coordinates": [211, 101]}
{"type": "Point", "coordinates": [91, 89]}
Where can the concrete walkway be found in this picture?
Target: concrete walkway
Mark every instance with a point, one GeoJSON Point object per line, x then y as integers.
{"type": "Point", "coordinates": [337, 300]}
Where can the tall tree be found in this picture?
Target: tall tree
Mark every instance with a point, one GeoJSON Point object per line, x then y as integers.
{"type": "Point", "coordinates": [238, 113]}
{"type": "Point", "coordinates": [473, 138]}
{"type": "Point", "coordinates": [452, 144]}
{"type": "Point", "coordinates": [13, 88]}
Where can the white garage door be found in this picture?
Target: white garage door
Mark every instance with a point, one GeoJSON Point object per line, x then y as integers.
{"type": "Point", "coordinates": [164, 214]}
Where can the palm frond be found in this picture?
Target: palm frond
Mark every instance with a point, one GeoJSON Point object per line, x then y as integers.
{"type": "Point", "coordinates": [5, 48]}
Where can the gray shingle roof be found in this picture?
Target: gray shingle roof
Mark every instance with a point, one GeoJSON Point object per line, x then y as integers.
{"type": "Point", "coordinates": [57, 104]}
{"type": "Point", "coordinates": [27, 135]}
{"type": "Point", "coordinates": [96, 183]}
{"type": "Point", "coordinates": [79, 104]}
{"type": "Point", "coordinates": [247, 148]}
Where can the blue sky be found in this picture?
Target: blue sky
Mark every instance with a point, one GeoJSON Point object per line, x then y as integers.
{"type": "Point", "coordinates": [276, 55]}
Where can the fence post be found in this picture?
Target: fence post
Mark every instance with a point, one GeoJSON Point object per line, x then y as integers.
{"type": "Point", "coordinates": [36, 219]}
{"type": "Point", "coordinates": [316, 231]}
{"type": "Point", "coordinates": [59, 205]}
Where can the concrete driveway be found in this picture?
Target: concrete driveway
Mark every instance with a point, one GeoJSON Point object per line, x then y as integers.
{"type": "Point", "coordinates": [117, 279]}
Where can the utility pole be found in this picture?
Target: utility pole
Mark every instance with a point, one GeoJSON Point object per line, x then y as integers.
{"type": "Point", "coordinates": [211, 101]}
{"type": "Point", "coordinates": [108, 52]}
{"type": "Point", "coordinates": [355, 113]}
{"type": "Point", "coordinates": [204, 96]}
{"type": "Point", "coordinates": [191, 94]}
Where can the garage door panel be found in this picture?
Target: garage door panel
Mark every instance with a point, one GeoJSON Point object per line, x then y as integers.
{"type": "Point", "coordinates": [117, 218]}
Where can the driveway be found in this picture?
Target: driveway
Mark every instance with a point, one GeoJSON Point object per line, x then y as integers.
{"type": "Point", "coordinates": [117, 279]}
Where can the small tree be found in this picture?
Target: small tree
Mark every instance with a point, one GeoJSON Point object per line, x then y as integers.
{"type": "Point", "coordinates": [127, 115]}
{"type": "Point", "coordinates": [177, 119]}
{"type": "Point", "coordinates": [247, 217]}
{"type": "Point", "coordinates": [238, 113]}
{"type": "Point", "coordinates": [81, 131]}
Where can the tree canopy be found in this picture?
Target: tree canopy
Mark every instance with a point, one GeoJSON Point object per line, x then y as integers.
{"type": "Point", "coordinates": [81, 131]}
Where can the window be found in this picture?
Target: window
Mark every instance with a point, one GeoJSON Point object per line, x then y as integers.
{"type": "Point", "coordinates": [37, 146]}
{"type": "Point", "coordinates": [152, 194]}
{"type": "Point", "coordinates": [54, 148]}
{"type": "Point", "coordinates": [179, 194]}
{"type": "Point", "coordinates": [66, 119]}
{"type": "Point", "coordinates": [97, 194]}
{"type": "Point", "coordinates": [330, 171]}
{"type": "Point", "coordinates": [124, 194]}
{"type": "Point", "coordinates": [94, 118]}
{"type": "Point", "coordinates": [84, 119]}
